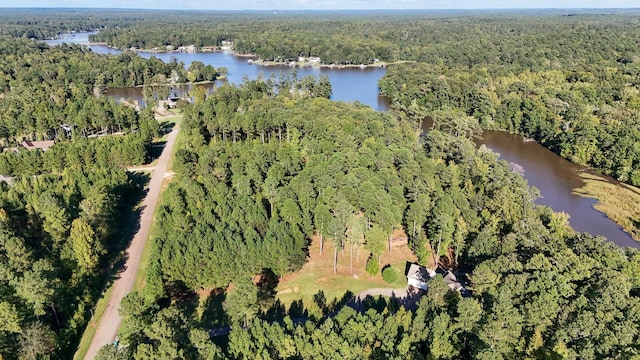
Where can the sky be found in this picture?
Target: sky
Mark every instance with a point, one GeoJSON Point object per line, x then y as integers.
{"type": "Point", "coordinates": [323, 4]}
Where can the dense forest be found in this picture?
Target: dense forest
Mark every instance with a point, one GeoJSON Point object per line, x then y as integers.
{"type": "Point", "coordinates": [67, 213]}
{"type": "Point", "coordinates": [265, 166]}
{"type": "Point", "coordinates": [44, 88]}
{"type": "Point", "coordinates": [58, 233]}
{"type": "Point", "coordinates": [259, 173]}
{"type": "Point", "coordinates": [511, 40]}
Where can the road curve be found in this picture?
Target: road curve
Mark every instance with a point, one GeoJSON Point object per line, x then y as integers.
{"type": "Point", "coordinates": [110, 323]}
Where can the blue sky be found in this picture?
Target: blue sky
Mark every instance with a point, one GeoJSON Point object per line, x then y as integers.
{"type": "Point", "coordinates": [323, 4]}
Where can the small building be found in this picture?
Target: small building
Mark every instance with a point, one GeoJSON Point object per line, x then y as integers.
{"type": "Point", "coordinates": [419, 276]}
{"type": "Point", "coordinates": [42, 145]}
{"type": "Point", "coordinates": [187, 49]}
{"type": "Point", "coordinates": [450, 279]}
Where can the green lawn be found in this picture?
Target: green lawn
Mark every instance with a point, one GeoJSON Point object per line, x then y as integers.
{"type": "Point", "coordinates": [317, 275]}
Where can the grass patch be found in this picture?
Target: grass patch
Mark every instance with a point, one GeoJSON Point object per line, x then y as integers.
{"type": "Point", "coordinates": [175, 147]}
{"type": "Point", "coordinates": [145, 258]}
{"type": "Point", "coordinates": [317, 274]}
{"type": "Point", "coordinates": [90, 330]}
{"type": "Point", "coordinates": [620, 202]}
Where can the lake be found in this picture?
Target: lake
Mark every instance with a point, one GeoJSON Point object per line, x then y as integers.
{"type": "Point", "coordinates": [554, 176]}
{"type": "Point", "coordinates": [352, 84]}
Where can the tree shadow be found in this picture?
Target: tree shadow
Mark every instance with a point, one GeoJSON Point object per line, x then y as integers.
{"type": "Point", "coordinates": [297, 310]}
{"type": "Point", "coordinates": [276, 312]}
{"type": "Point", "coordinates": [266, 283]}
{"type": "Point", "coordinates": [166, 126]}
{"type": "Point", "coordinates": [213, 315]}
{"type": "Point", "coordinates": [155, 150]}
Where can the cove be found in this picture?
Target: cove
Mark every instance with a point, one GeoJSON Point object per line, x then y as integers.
{"type": "Point", "coordinates": [554, 176]}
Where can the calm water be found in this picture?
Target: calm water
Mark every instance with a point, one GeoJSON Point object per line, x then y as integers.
{"type": "Point", "coordinates": [354, 84]}
{"type": "Point", "coordinates": [554, 176]}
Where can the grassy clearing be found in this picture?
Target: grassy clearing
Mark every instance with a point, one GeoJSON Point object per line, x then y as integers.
{"type": "Point", "coordinates": [317, 274]}
{"type": "Point", "coordinates": [620, 202]}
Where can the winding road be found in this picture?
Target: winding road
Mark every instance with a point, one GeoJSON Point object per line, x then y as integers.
{"type": "Point", "coordinates": [110, 323]}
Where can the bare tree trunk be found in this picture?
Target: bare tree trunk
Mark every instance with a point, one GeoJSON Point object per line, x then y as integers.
{"type": "Point", "coordinates": [321, 243]}
{"type": "Point", "coordinates": [389, 242]}
{"type": "Point", "coordinates": [335, 259]}
{"type": "Point", "coordinates": [55, 313]}
{"type": "Point", "coordinates": [414, 234]}
{"type": "Point", "coordinates": [438, 249]}
{"type": "Point", "coordinates": [351, 259]}
{"type": "Point", "coordinates": [456, 259]}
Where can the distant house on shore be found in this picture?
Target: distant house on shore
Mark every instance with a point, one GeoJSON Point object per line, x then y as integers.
{"type": "Point", "coordinates": [42, 145]}
{"type": "Point", "coordinates": [187, 49]}
{"type": "Point", "coordinates": [419, 277]}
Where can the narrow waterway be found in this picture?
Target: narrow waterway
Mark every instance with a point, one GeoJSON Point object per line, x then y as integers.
{"type": "Point", "coordinates": [554, 176]}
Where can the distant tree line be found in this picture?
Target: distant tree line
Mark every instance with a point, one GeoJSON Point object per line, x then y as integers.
{"type": "Point", "coordinates": [510, 40]}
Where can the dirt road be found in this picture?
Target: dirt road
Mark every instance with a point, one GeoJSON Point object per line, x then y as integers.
{"type": "Point", "coordinates": [110, 322]}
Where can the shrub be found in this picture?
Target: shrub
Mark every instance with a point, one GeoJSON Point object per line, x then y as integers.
{"type": "Point", "coordinates": [389, 274]}
{"type": "Point", "coordinates": [372, 265]}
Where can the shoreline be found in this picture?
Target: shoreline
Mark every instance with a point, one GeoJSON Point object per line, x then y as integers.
{"type": "Point", "coordinates": [619, 202]}
{"type": "Point", "coordinates": [257, 61]}
{"type": "Point", "coordinates": [301, 64]}
{"type": "Point", "coordinates": [206, 82]}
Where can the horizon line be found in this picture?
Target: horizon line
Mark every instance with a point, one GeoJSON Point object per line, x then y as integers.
{"type": "Point", "coordinates": [351, 9]}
